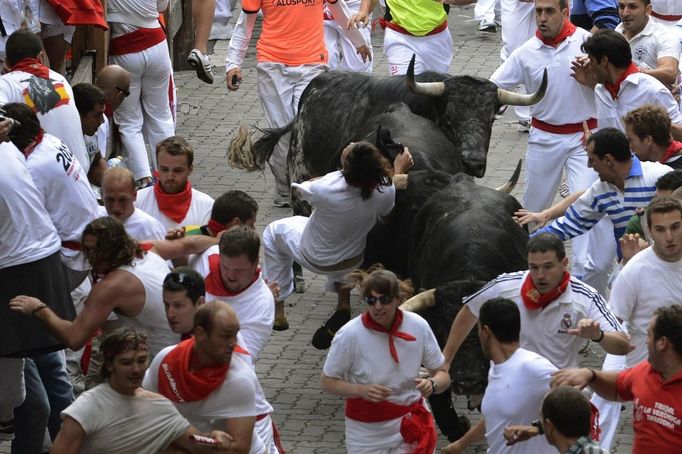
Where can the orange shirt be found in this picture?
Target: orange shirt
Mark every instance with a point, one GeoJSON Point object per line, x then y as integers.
{"type": "Point", "coordinates": [292, 31]}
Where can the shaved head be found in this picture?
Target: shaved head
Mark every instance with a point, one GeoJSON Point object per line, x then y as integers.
{"type": "Point", "coordinates": [118, 193]}
{"type": "Point", "coordinates": [118, 174]}
{"type": "Point", "coordinates": [207, 313]}
{"type": "Point", "coordinates": [114, 81]}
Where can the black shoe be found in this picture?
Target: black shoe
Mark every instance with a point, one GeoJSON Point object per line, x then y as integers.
{"type": "Point", "coordinates": [322, 338]}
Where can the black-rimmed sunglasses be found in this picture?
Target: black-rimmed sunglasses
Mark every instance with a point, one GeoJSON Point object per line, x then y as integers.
{"type": "Point", "coordinates": [125, 92]}
{"type": "Point", "coordinates": [383, 299]}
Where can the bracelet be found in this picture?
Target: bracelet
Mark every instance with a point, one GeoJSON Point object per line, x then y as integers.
{"type": "Point", "coordinates": [433, 385]}
{"type": "Point", "coordinates": [39, 308]}
{"type": "Point", "coordinates": [594, 376]}
{"type": "Point", "coordinates": [601, 336]}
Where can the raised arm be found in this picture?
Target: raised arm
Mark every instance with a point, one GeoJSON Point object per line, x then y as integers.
{"type": "Point", "coordinates": [173, 249]}
{"type": "Point", "coordinates": [461, 327]}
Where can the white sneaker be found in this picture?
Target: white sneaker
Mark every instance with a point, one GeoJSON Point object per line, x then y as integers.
{"type": "Point", "coordinates": [489, 27]}
{"type": "Point", "coordinates": [524, 126]}
{"type": "Point", "coordinates": [201, 64]}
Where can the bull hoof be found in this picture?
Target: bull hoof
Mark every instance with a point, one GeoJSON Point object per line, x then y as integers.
{"type": "Point", "coordinates": [322, 339]}
{"type": "Point", "coordinates": [281, 324]}
{"type": "Point", "coordinates": [299, 284]}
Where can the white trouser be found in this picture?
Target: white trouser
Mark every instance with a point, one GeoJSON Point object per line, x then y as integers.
{"type": "Point", "coordinates": [548, 154]}
{"type": "Point", "coordinates": [601, 257]}
{"type": "Point", "coordinates": [609, 412]}
{"type": "Point", "coordinates": [342, 53]}
{"type": "Point", "coordinates": [485, 10]}
{"type": "Point", "coordinates": [12, 389]}
{"type": "Point", "coordinates": [518, 26]}
{"type": "Point", "coordinates": [280, 88]}
{"type": "Point", "coordinates": [434, 52]}
{"type": "Point", "coordinates": [265, 433]}
{"type": "Point", "coordinates": [281, 247]}
{"type": "Point", "coordinates": [149, 104]}
{"type": "Point", "coordinates": [223, 11]}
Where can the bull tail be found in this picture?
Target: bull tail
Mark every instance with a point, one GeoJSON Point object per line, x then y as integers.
{"type": "Point", "coordinates": [244, 154]}
{"type": "Point", "coordinates": [509, 186]}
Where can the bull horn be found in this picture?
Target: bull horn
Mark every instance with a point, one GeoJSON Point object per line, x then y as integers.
{"type": "Point", "coordinates": [434, 89]}
{"type": "Point", "coordinates": [419, 302]}
{"type": "Point", "coordinates": [509, 186]}
{"type": "Point", "coordinates": [516, 99]}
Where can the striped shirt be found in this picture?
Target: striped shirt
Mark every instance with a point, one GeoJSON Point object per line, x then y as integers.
{"type": "Point", "coordinates": [585, 445]}
{"type": "Point", "coordinates": [605, 199]}
{"type": "Point", "coordinates": [544, 331]}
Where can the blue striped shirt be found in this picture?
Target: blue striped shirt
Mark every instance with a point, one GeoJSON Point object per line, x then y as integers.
{"type": "Point", "coordinates": [605, 199]}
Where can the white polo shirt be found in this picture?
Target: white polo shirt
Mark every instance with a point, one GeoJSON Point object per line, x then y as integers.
{"type": "Point", "coordinates": [542, 330]}
{"type": "Point", "coordinates": [644, 284]}
{"type": "Point", "coordinates": [654, 42]}
{"type": "Point", "coordinates": [526, 66]}
{"type": "Point", "coordinates": [636, 90]}
{"type": "Point", "coordinates": [140, 226]}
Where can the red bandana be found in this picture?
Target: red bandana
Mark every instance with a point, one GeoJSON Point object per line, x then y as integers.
{"type": "Point", "coordinates": [32, 146]}
{"type": "Point", "coordinates": [533, 299]}
{"type": "Point", "coordinates": [179, 384]}
{"type": "Point", "coordinates": [214, 283]}
{"type": "Point", "coordinates": [392, 332]}
{"type": "Point", "coordinates": [32, 66]}
{"type": "Point", "coordinates": [175, 206]}
{"type": "Point", "coordinates": [673, 150]}
{"type": "Point", "coordinates": [567, 29]}
{"type": "Point", "coordinates": [215, 226]}
{"type": "Point", "coordinates": [613, 89]}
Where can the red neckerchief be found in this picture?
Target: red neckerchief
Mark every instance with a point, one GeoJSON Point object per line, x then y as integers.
{"type": "Point", "coordinates": [32, 66]}
{"type": "Point", "coordinates": [215, 226]}
{"type": "Point", "coordinates": [175, 206]}
{"type": "Point", "coordinates": [214, 283]}
{"type": "Point", "coordinates": [613, 89]}
{"type": "Point", "coordinates": [567, 29]}
{"type": "Point", "coordinates": [32, 146]}
{"type": "Point", "coordinates": [392, 332]}
{"type": "Point", "coordinates": [672, 150]}
{"type": "Point", "coordinates": [179, 384]}
{"type": "Point", "coordinates": [533, 299]}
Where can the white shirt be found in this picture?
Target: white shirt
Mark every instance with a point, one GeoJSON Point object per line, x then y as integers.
{"type": "Point", "coordinates": [513, 396]}
{"type": "Point", "coordinates": [654, 42]}
{"type": "Point", "coordinates": [235, 398]}
{"type": "Point", "coordinates": [140, 226]}
{"type": "Point", "coordinates": [667, 7]}
{"type": "Point", "coordinates": [26, 231]}
{"type": "Point", "coordinates": [151, 270]}
{"type": "Point", "coordinates": [644, 284]}
{"type": "Point", "coordinates": [53, 103]}
{"type": "Point", "coordinates": [255, 305]}
{"type": "Point", "coordinates": [68, 197]}
{"type": "Point", "coordinates": [138, 13]}
{"type": "Point", "coordinates": [635, 91]}
{"type": "Point", "coordinates": [542, 330]}
{"type": "Point", "coordinates": [341, 219]}
{"type": "Point", "coordinates": [198, 214]}
{"type": "Point", "coordinates": [526, 66]}
{"type": "Point", "coordinates": [361, 356]}
{"type": "Point", "coordinates": [114, 422]}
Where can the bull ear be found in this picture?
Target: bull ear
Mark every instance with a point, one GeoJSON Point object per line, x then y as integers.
{"type": "Point", "coordinates": [419, 302]}
{"type": "Point", "coordinates": [516, 99]}
{"type": "Point", "coordinates": [434, 89]}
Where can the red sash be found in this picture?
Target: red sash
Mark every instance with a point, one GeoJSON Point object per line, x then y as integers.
{"type": "Point", "coordinates": [137, 41]}
{"type": "Point", "coordinates": [175, 206]}
{"type": "Point", "coordinates": [613, 89]}
{"type": "Point", "coordinates": [534, 300]}
{"type": "Point", "coordinates": [32, 66]}
{"type": "Point", "coordinates": [416, 426]}
{"type": "Point", "coordinates": [392, 332]}
{"type": "Point", "coordinates": [672, 150]}
{"type": "Point", "coordinates": [214, 283]}
{"type": "Point", "coordinates": [569, 128]}
{"type": "Point", "coordinates": [567, 29]}
{"type": "Point", "coordinates": [667, 17]}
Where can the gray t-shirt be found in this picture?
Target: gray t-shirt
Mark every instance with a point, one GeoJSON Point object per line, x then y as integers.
{"type": "Point", "coordinates": [114, 422]}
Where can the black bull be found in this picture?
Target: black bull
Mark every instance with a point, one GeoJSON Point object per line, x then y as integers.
{"type": "Point", "coordinates": [460, 235]}
{"type": "Point", "coordinates": [336, 108]}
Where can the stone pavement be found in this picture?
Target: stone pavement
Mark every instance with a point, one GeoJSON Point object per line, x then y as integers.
{"type": "Point", "coordinates": [289, 367]}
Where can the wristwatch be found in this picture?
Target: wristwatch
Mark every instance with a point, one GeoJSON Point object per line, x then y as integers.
{"type": "Point", "coordinates": [538, 425]}
{"type": "Point", "coordinates": [433, 385]}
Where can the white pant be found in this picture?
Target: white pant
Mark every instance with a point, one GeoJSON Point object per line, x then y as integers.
{"type": "Point", "coordinates": [609, 412]}
{"type": "Point", "coordinates": [281, 247]}
{"type": "Point", "coordinates": [280, 88]}
{"type": "Point", "coordinates": [518, 26]}
{"type": "Point", "coordinates": [485, 10]}
{"type": "Point", "coordinates": [148, 105]}
{"type": "Point", "coordinates": [342, 53]}
{"type": "Point", "coordinates": [264, 431]}
{"type": "Point", "coordinates": [434, 52]}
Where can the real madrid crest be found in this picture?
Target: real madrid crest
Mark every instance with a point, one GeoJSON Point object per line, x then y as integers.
{"type": "Point", "coordinates": [566, 321]}
{"type": "Point", "coordinates": [639, 53]}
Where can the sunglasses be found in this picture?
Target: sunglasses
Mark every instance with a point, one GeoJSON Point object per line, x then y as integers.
{"type": "Point", "coordinates": [383, 299]}
{"type": "Point", "coordinates": [181, 279]}
{"type": "Point", "coordinates": [125, 92]}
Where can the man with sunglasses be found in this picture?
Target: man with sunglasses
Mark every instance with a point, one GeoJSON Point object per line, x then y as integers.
{"type": "Point", "coordinates": [114, 81]}
{"type": "Point", "coordinates": [183, 294]}
{"type": "Point", "coordinates": [374, 363]}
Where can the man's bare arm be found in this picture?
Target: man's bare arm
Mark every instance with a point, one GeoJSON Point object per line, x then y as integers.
{"type": "Point", "coordinates": [69, 439]}
{"type": "Point", "coordinates": [665, 70]}
{"type": "Point", "coordinates": [461, 327]}
{"type": "Point", "coordinates": [557, 210]}
{"type": "Point", "coordinates": [173, 249]}
{"type": "Point", "coordinates": [241, 430]}
{"type": "Point", "coordinates": [603, 383]}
